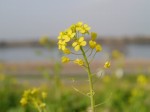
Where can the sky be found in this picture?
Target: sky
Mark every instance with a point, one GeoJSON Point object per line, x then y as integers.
{"type": "Point", "coordinates": [31, 19]}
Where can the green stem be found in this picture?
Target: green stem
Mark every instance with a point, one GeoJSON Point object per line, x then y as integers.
{"type": "Point", "coordinates": [90, 81]}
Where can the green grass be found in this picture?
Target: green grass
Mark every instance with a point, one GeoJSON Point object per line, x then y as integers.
{"type": "Point", "coordinates": [112, 94]}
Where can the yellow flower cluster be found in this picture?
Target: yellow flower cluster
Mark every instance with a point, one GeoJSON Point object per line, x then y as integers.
{"type": "Point", "coordinates": [34, 97]}
{"type": "Point", "coordinates": [107, 64]}
{"type": "Point", "coordinates": [74, 38]}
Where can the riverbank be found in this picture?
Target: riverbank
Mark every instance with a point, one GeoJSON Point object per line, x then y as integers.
{"type": "Point", "coordinates": [37, 67]}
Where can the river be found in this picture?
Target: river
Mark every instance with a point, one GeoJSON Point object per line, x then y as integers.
{"type": "Point", "coordinates": [40, 53]}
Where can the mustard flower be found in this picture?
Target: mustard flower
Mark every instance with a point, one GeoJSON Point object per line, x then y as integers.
{"type": "Point", "coordinates": [79, 62]}
{"type": "Point", "coordinates": [79, 24]}
{"type": "Point", "coordinates": [93, 36]}
{"type": "Point", "coordinates": [62, 45]}
{"type": "Point", "coordinates": [60, 35]}
{"type": "Point", "coordinates": [66, 51]}
{"type": "Point", "coordinates": [34, 91]}
{"type": "Point", "coordinates": [107, 64]}
{"type": "Point", "coordinates": [66, 36]}
{"type": "Point", "coordinates": [98, 48]}
{"type": "Point", "coordinates": [65, 59]}
{"type": "Point", "coordinates": [26, 93]}
{"type": "Point", "coordinates": [78, 43]}
{"type": "Point", "coordinates": [142, 80]}
{"type": "Point", "coordinates": [92, 44]}
{"type": "Point", "coordinates": [85, 29]}
{"type": "Point", "coordinates": [23, 101]}
{"type": "Point", "coordinates": [82, 28]}
{"type": "Point", "coordinates": [70, 33]}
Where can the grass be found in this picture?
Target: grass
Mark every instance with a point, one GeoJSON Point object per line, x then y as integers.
{"type": "Point", "coordinates": [113, 94]}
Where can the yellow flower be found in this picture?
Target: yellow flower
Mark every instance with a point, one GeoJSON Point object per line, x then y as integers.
{"type": "Point", "coordinates": [70, 33]}
{"type": "Point", "coordinates": [65, 59]}
{"type": "Point", "coordinates": [98, 48]}
{"type": "Point", "coordinates": [79, 24]}
{"type": "Point", "coordinates": [60, 35]}
{"type": "Point", "coordinates": [107, 64]}
{"type": "Point", "coordinates": [66, 36]}
{"type": "Point", "coordinates": [93, 36]}
{"type": "Point", "coordinates": [34, 91]}
{"type": "Point", "coordinates": [23, 101]}
{"type": "Point", "coordinates": [85, 29]}
{"type": "Point", "coordinates": [142, 80]}
{"type": "Point", "coordinates": [66, 51]}
{"type": "Point", "coordinates": [79, 62]}
{"type": "Point", "coordinates": [62, 45]}
{"type": "Point", "coordinates": [82, 28]}
{"type": "Point", "coordinates": [80, 42]}
{"type": "Point", "coordinates": [26, 93]}
{"type": "Point", "coordinates": [92, 44]}
{"type": "Point", "coordinates": [44, 95]}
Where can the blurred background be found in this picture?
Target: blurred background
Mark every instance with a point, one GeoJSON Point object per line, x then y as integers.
{"type": "Point", "coordinates": [123, 28]}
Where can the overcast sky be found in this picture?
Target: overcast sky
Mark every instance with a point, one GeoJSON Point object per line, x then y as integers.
{"type": "Point", "coordinates": [25, 19]}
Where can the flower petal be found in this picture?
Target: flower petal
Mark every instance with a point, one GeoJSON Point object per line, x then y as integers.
{"type": "Point", "coordinates": [83, 43]}
{"type": "Point", "coordinates": [81, 39]}
{"type": "Point", "coordinates": [74, 44]}
{"type": "Point", "coordinates": [77, 48]}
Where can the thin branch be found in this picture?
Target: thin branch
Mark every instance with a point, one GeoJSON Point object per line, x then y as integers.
{"type": "Point", "coordinates": [77, 90]}
{"type": "Point", "coordinates": [104, 101]}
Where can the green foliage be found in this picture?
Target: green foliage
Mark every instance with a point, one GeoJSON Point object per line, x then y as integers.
{"type": "Point", "coordinates": [117, 95]}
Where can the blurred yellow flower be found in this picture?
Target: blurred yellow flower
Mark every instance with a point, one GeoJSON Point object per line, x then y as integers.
{"type": "Point", "coordinates": [79, 62]}
{"type": "Point", "coordinates": [26, 93]}
{"type": "Point", "coordinates": [142, 80]}
{"type": "Point", "coordinates": [34, 91]}
{"type": "Point", "coordinates": [35, 98]}
{"type": "Point", "coordinates": [66, 51]}
{"type": "Point", "coordinates": [78, 43]}
{"type": "Point", "coordinates": [93, 36]}
{"type": "Point", "coordinates": [65, 59]}
{"type": "Point", "coordinates": [62, 45]}
{"type": "Point", "coordinates": [79, 24]}
{"type": "Point", "coordinates": [107, 64]}
{"type": "Point", "coordinates": [98, 48]}
{"type": "Point", "coordinates": [23, 101]}
{"type": "Point", "coordinates": [92, 44]}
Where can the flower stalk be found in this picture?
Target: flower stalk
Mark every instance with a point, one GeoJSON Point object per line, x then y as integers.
{"type": "Point", "coordinates": [74, 39]}
{"type": "Point", "coordinates": [90, 81]}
